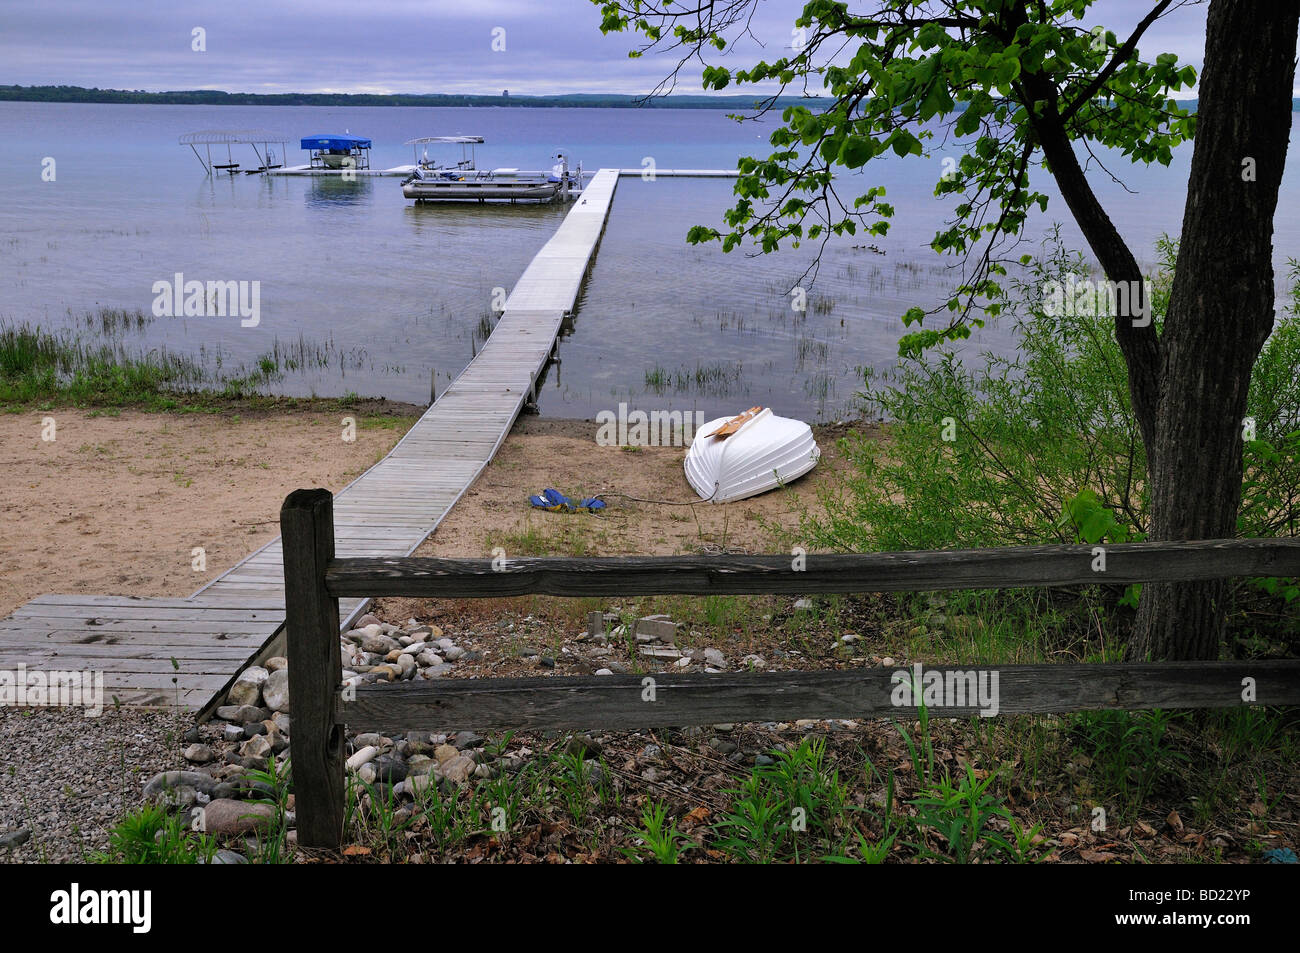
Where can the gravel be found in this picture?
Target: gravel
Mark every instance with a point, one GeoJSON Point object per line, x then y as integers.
{"type": "Point", "coordinates": [67, 778]}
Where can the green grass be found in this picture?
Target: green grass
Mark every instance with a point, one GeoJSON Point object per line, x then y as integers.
{"type": "Point", "coordinates": [43, 369]}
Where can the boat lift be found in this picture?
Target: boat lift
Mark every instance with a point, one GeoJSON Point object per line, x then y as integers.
{"type": "Point", "coordinates": [231, 137]}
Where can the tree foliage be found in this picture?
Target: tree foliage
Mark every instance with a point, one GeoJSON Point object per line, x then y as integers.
{"type": "Point", "coordinates": [993, 76]}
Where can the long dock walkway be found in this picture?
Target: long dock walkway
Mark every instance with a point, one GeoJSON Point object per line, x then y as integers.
{"type": "Point", "coordinates": [186, 651]}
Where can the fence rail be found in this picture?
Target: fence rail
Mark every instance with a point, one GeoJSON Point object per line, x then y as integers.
{"type": "Point", "coordinates": [314, 581]}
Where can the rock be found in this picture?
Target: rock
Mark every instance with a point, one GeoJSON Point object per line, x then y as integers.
{"type": "Point", "coordinates": [253, 729]}
{"type": "Point", "coordinates": [714, 657]}
{"type": "Point", "coordinates": [420, 764]}
{"type": "Point", "coordinates": [224, 856]}
{"type": "Point", "coordinates": [166, 780]}
{"type": "Point", "coordinates": [258, 746]}
{"type": "Point", "coordinates": [390, 673]}
{"type": "Point", "coordinates": [427, 659]}
{"type": "Point", "coordinates": [199, 754]}
{"type": "Point", "coordinates": [390, 770]}
{"type": "Point", "coordinates": [227, 818]}
{"type": "Point", "coordinates": [684, 661]}
{"type": "Point", "coordinates": [368, 773]}
{"type": "Point", "coordinates": [247, 689]}
{"type": "Point", "coordinates": [722, 746]}
{"type": "Point", "coordinates": [363, 756]}
{"type": "Point", "coordinates": [887, 662]}
{"type": "Point", "coordinates": [657, 629]}
{"type": "Point", "coordinates": [454, 653]}
{"type": "Point", "coordinates": [281, 721]}
{"type": "Point", "coordinates": [545, 661]}
{"type": "Point", "coordinates": [583, 744]}
{"type": "Point", "coordinates": [367, 619]}
{"type": "Point", "coordinates": [232, 733]}
{"type": "Point", "coordinates": [803, 604]}
{"type": "Point", "coordinates": [754, 661]}
{"type": "Point", "coordinates": [468, 739]}
{"type": "Point", "coordinates": [240, 713]}
{"type": "Point", "coordinates": [458, 769]}
{"type": "Point", "coordinates": [367, 738]}
{"type": "Point", "coordinates": [277, 664]}
{"type": "Point", "coordinates": [445, 753]}
{"type": "Point", "coordinates": [15, 838]}
{"type": "Point", "coordinates": [276, 691]}
{"type": "Point", "coordinates": [763, 761]}
{"type": "Point", "coordinates": [193, 736]}
{"type": "Point", "coordinates": [407, 666]}
{"type": "Point", "coordinates": [378, 643]}
{"type": "Point", "coordinates": [604, 671]}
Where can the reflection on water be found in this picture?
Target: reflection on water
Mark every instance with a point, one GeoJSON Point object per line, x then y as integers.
{"type": "Point", "coordinates": [335, 190]}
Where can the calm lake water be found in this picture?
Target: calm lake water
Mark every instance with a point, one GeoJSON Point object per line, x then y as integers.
{"type": "Point", "coordinates": [384, 292]}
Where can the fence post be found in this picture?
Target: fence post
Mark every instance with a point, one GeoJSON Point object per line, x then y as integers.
{"type": "Point", "coordinates": [315, 666]}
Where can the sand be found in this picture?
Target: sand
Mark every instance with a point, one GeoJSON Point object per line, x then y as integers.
{"type": "Point", "coordinates": [543, 453]}
{"type": "Point", "coordinates": [116, 504]}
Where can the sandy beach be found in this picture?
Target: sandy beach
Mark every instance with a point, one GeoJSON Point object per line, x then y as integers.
{"type": "Point", "coordinates": [117, 504]}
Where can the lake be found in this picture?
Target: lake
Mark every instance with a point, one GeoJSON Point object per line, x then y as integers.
{"type": "Point", "coordinates": [371, 294]}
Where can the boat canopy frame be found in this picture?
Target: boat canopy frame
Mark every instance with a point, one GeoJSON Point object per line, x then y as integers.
{"type": "Point", "coordinates": [231, 137]}
{"type": "Point", "coordinates": [467, 155]}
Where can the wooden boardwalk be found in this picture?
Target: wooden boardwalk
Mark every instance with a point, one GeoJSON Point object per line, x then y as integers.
{"type": "Point", "coordinates": [176, 651]}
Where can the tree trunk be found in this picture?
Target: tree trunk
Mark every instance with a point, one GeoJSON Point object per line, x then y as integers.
{"type": "Point", "coordinates": [1220, 310]}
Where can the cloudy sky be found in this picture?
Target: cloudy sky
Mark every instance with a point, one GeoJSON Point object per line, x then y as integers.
{"type": "Point", "coordinates": [386, 46]}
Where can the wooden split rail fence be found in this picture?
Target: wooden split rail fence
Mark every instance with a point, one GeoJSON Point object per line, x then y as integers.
{"type": "Point", "coordinates": [315, 580]}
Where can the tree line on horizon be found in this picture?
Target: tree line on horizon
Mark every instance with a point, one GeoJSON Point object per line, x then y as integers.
{"type": "Point", "coordinates": [212, 97]}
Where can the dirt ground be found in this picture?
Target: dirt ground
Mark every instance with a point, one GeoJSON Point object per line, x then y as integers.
{"type": "Point", "coordinates": [115, 504]}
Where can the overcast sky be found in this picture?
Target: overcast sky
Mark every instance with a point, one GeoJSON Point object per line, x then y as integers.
{"type": "Point", "coordinates": [388, 46]}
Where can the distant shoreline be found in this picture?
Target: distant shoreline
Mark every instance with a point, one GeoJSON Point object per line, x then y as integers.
{"type": "Point", "coordinates": [211, 97]}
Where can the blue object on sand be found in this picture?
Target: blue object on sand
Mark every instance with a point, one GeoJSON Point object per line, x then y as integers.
{"type": "Point", "coordinates": [555, 501]}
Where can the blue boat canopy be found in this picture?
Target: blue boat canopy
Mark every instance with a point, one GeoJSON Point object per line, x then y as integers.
{"type": "Point", "coordinates": [335, 142]}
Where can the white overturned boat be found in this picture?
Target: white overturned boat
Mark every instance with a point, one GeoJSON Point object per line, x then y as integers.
{"type": "Point", "coordinates": [464, 182]}
{"type": "Point", "coordinates": [735, 457]}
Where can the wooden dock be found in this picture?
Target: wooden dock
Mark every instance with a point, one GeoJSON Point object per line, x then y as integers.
{"type": "Point", "coordinates": [186, 651]}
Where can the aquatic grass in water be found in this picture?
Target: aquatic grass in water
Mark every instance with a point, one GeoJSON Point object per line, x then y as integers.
{"type": "Point", "coordinates": [39, 365]}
